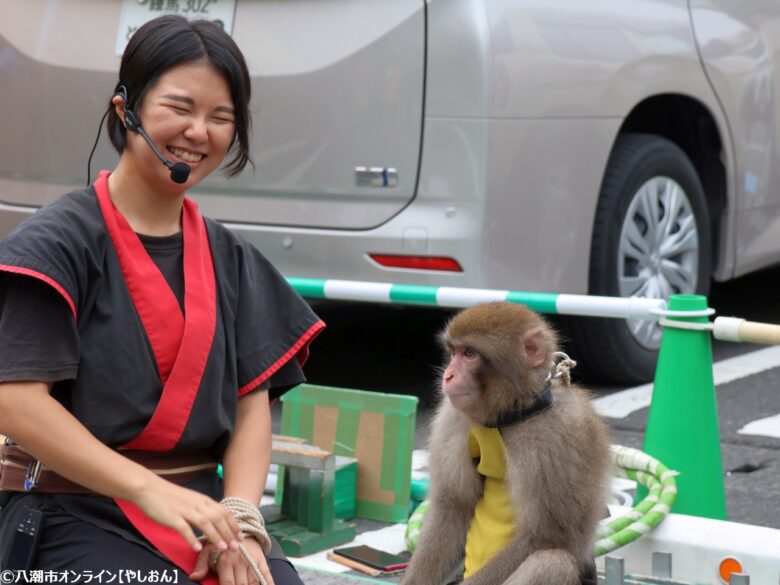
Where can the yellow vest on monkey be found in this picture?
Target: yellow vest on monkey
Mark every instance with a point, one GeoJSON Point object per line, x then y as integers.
{"type": "Point", "coordinates": [494, 521]}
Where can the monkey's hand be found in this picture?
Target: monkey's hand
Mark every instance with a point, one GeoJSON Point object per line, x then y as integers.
{"type": "Point", "coordinates": [440, 548]}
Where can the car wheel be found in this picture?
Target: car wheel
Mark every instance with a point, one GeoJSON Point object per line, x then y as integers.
{"type": "Point", "coordinates": [651, 238]}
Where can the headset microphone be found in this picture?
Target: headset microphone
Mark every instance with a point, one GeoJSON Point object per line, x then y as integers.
{"type": "Point", "coordinates": [180, 171]}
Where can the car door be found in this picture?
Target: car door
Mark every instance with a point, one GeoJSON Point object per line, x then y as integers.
{"type": "Point", "coordinates": [739, 42]}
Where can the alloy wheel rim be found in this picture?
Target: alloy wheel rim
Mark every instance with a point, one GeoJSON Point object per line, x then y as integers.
{"type": "Point", "coordinates": [658, 250]}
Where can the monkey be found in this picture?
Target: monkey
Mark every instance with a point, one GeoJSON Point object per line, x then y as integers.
{"type": "Point", "coordinates": [519, 460]}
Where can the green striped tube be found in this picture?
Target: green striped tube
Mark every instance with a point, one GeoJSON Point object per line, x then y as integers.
{"type": "Point", "coordinates": [414, 525]}
{"type": "Point", "coordinates": [647, 514]}
{"type": "Point", "coordinates": [613, 533]}
{"type": "Point", "coordinates": [451, 297]}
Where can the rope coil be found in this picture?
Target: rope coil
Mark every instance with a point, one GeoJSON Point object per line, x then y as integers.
{"type": "Point", "coordinates": [685, 325]}
{"type": "Point", "coordinates": [612, 533]}
{"type": "Point", "coordinates": [251, 522]}
{"type": "Point", "coordinates": [563, 368]}
{"type": "Point", "coordinates": [647, 514]}
{"type": "Point", "coordinates": [675, 313]}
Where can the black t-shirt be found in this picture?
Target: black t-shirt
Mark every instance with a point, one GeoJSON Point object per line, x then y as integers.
{"type": "Point", "coordinates": [39, 336]}
{"type": "Point", "coordinates": [167, 253]}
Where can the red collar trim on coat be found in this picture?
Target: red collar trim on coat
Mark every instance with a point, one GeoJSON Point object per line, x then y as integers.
{"type": "Point", "coordinates": [153, 299]}
{"type": "Point", "coordinates": [181, 346]}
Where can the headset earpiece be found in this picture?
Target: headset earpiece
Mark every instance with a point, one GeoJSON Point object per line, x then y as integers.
{"type": "Point", "coordinates": [121, 91]}
{"type": "Point", "coordinates": [180, 171]}
{"type": "Point", "coordinates": [131, 120]}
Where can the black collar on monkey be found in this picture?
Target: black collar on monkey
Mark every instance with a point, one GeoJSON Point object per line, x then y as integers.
{"type": "Point", "coordinates": [543, 402]}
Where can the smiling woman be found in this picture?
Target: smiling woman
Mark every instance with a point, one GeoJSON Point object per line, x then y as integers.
{"type": "Point", "coordinates": [148, 58]}
{"type": "Point", "coordinates": [190, 115]}
{"type": "Point", "coordinates": [159, 363]}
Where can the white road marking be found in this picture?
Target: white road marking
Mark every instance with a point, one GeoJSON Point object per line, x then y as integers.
{"type": "Point", "coordinates": [769, 427]}
{"type": "Point", "coordinates": [621, 404]}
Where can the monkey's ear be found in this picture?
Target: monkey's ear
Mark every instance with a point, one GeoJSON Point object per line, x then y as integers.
{"type": "Point", "coordinates": [535, 347]}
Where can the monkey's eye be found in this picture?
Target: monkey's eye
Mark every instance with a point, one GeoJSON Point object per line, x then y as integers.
{"type": "Point", "coordinates": [470, 352]}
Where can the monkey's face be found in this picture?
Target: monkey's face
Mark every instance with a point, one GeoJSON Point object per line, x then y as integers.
{"type": "Point", "coordinates": [499, 358]}
{"type": "Point", "coordinates": [461, 381]}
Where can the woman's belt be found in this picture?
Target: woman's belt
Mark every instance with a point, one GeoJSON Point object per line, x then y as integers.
{"type": "Point", "coordinates": [21, 472]}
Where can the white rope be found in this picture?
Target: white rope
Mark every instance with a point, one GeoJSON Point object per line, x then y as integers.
{"type": "Point", "coordinates": [672, 313]}
{"type": "Point", "coordinates": [685, 325]}
{"type": "Point", "coordinates": [564, 367]}
{"type": "Point", "coordinates": [250, 521]}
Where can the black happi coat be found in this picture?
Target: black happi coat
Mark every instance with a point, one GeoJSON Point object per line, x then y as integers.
{"type": "Point", "coordinates": [148, 377]}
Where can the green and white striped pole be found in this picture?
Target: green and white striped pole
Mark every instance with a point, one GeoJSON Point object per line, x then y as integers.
{"type": "Point", "coordinates": [451, 297]}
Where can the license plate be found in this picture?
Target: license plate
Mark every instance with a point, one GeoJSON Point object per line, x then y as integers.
{"type": "Point", "coordinates": [137, 12]}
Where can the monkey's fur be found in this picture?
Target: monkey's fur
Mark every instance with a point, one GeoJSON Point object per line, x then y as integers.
{"type": "Point", "coordinates": [557, 461]}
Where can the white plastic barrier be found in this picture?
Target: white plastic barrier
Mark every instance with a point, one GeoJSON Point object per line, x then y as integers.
{"type": "Point", "coordinates": [698, 545]}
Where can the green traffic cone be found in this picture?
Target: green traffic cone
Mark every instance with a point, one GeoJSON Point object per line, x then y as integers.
{"type": "Point", "coordinates": [682, 425]}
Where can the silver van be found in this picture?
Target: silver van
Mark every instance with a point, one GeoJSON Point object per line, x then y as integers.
{"type": "Point", "coordinates": [617, 147]}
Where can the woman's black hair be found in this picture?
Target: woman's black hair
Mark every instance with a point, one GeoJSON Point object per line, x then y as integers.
{"type": "Point", "coordinates": [169, 41]}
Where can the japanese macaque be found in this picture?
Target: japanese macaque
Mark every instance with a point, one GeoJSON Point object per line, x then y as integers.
{"type": "Point", "coordinates": [519, 459]}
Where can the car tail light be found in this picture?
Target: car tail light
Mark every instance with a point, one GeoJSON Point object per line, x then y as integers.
{"type": "Point", "coordinates": [440, 263]}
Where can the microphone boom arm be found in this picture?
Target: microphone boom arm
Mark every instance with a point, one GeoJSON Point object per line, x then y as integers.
{"type": "Point", "coordinates": [180, 172]}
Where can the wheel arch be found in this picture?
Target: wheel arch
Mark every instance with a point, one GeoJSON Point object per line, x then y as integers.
{"type": "Point", "coordinates": [690, 125]}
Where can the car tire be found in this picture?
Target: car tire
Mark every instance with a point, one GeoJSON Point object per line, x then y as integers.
{"type": "Point", "coordinates": [642, 168]}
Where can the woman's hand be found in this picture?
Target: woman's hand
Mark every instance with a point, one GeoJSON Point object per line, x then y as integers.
{"type": "Point", "coordinates": [183, 509]}
{"type": "Point", "coordinates": [232, 566]}
{"type": "Point", "coordinates": [71, 450]}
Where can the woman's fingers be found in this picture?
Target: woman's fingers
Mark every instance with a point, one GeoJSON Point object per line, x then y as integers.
{"type": "Point", "coordinates": [251, 579]}
{"type": "Point", "coordinates": [215, 522]}
{"type": "Point", "coordinates": [231, 570]}
{"type": "Point", "coordinates": [184, 510]}
{"type": "Point", "coordinates": [213, 527]}
{"type": "Point", "coordinates": [182, 527]}
{"type": "Point", "coordinates": [201, 565]}
{"type": "Point", "coordinates": [227, 525]}
{"type": "Point", "coordinates": [256, 552]}
{"type": "Point", "coordinates": [262, 564]}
